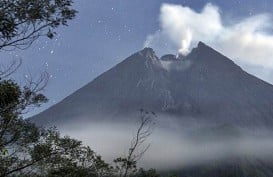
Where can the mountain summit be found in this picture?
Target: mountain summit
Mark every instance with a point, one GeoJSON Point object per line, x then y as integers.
{"type": "Point", "coordinates": [213, 118]}
{"type": "Point", "coordinates": [204, 86]}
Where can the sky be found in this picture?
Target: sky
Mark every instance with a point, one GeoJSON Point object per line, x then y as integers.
{"type": "Point", "coordinates": [105, 32]}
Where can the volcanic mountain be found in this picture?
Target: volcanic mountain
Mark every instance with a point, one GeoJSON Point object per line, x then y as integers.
{"type": "Point", "coordinates": [211, 115]}
{"type": "Point", "coordinates": [204, 86]}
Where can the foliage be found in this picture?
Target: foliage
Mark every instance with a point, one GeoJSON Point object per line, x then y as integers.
{"type": "Point", "coordinates": [149, 173]}
{"type": "Point", "coordinates": [25, 149]}
{"type": "Point", "coordinates": [29, 150]}
{"type": "Point", "coordinates": [24, 21]}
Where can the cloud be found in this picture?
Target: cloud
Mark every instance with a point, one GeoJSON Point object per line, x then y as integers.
{"type": "Point", "coordinates": [185, 144]}
{"type": "Point", "coordinates": [248, 41]}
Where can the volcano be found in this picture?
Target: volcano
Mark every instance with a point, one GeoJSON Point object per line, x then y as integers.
{"type": "Point", "coordinates": [215, 118]}
{"type": "Point", "coordinates": [204, 86]}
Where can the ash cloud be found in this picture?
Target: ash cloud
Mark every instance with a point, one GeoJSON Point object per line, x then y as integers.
{"type": "Point", "coordinates": [249, 41]}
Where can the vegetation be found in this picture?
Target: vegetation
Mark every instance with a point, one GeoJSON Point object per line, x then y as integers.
{"type": "Point", "coordinates": [24, 21]}
{"type": "Point", "coordinates": [28, 150]}
{"type": "Point", "coordinates": [127, 165]}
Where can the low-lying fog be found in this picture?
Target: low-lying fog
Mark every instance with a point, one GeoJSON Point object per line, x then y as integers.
{"type": "Point", "coordinates": [173, 145]}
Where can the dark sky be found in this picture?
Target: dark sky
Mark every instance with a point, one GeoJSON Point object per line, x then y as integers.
{"type": "Point", "coordinates": [104, 33]}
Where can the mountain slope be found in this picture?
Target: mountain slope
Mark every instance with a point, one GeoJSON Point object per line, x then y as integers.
{"type": "Point", "coordinates": [203, 86]}
{"type": "Point", "coordinates": [204, 89]}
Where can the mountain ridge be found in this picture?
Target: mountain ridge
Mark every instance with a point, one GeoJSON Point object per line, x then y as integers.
{"type": "Point", "coordinates": [202, 85]}
{"type": "Point", "coordinates": [213, 118]}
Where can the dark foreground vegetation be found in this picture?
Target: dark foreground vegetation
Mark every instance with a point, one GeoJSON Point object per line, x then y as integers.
{"type": "Point", "coordinates": [27, 150]}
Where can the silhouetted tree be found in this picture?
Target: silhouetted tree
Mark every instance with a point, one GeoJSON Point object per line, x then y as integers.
{"type": "Point", "coordinates": [127, 165]}
{"type": "Point", "coordinates": [27, 150]}
{"type": "Point", "coordinates": [24, 21]}
{"type": "Point", "coordinates": [146, 173]}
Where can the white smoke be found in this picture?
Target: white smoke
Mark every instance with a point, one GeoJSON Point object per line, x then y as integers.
{"type": "Point", "coordinates": [183, 27]}
{"type": "Point", "coordinates": [248, 41]}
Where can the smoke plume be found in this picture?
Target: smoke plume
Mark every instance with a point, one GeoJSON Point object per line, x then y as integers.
{"type": "Point", "coordinates": [249, 41]}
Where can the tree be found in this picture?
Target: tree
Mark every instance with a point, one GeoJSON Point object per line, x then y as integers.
{"type": "Point", "coordinates": [24, 21]}
{"type": "Point", "coordinates": [27, 150]}
{"type": "Point", "coordinates": [31, 151]}
{"type": "Point", "coordinates": [21, 23]}
{"type": "Point", "coordinates": [149, 173]}
{"type": "Point", "coordinates": [127, 165]}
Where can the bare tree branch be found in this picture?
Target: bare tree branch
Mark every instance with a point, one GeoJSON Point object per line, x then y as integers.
{"type": "Point", "coordinates": [7, 70]}
{"type": "Point", "coordinates": [137, 147]}
{"type": "Point", "coordinates": [24, 21]}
